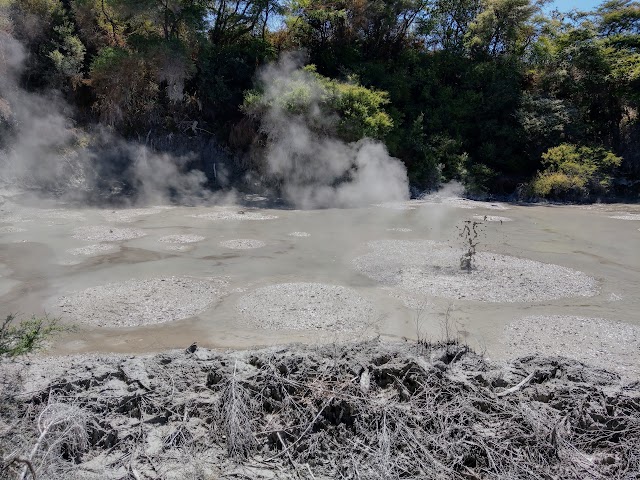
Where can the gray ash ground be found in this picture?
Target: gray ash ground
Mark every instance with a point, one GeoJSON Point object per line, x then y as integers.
{"type": "Point", "coordinates": [371, 410]}
{"type": "Point", "coordinates": [139, 302]}
{"type": "Point", "coordinates": [433, 268]}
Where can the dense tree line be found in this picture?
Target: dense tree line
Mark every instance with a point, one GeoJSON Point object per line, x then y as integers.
{"type": "Point", "coordinates": [493, 93]}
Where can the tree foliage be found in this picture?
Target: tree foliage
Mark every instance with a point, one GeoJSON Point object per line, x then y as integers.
{"type": "Point", "coordinates": [472, 90]}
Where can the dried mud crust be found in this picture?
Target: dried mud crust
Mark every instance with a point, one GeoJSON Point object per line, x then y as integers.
{"type": "Point", "coordinates": [430, 268]}
{"type": "Point", "coordinates": [369, 410]}
{"type": "Point", "coordinates": [306, 306]}
{"type": "Point", "coordinates": [602, 343]}
{"type": "Point", "coordinates": [139, 302]}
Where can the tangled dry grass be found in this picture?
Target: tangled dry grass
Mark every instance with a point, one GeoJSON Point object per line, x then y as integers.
{"type": "Point", "coordinates": [371, 410]}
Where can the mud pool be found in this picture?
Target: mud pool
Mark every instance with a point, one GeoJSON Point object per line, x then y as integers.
{"type": "Point", "coordinates": [238, 276]}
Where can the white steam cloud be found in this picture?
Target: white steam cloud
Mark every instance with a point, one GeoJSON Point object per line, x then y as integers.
{"type": "Point", "coordinates": [314, 169]}
{"type": "Point", "coordinates": [41, 150]}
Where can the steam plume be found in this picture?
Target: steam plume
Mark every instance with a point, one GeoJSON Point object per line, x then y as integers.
{"type": "Point", "coordinates": [41, 149]}
{"type": "Point", "coordinates": [317, 170]}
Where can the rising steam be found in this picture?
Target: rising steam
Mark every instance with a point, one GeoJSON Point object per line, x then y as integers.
{"type": "Point", "coordinates": [41, 149]}
{"type": "Point", "coordinates": [316, 169]}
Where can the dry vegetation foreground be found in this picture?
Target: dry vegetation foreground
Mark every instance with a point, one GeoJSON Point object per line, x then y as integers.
{"type": "Point", "coordinates": [354, 411]}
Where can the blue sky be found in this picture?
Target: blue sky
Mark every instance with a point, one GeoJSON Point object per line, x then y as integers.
{"type": "Point", "coordinates": [566, 5]}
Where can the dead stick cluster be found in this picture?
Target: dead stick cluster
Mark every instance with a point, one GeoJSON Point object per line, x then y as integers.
{"type": "Point", "coordinates": [366, 411]}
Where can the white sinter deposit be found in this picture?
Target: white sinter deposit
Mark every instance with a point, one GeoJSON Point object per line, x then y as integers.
{"type": "Point", "coordinates": [430, 268]}
{"type": "Point", "coordinates": [243, 244]}
{"type": "Point", "coordinates": [105, 233]}
{"type": "Point", "coordinates": [602, 343]}
{"type": "Point", "coordinates": [186, 238]}
{"type": "Point", "coordinates": [401, 230]}
{"type": "Point", "coordinates": [299, 234]}
{"type": "Point", "coordinates": [139, 302]}
{"type": "Point", "coordinates": [306, 306]}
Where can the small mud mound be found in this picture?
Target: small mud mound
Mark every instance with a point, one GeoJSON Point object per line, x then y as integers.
{"type": "Point", "coordinates": [627, 216]}
{"type": "Point", "coordinates": [491, 218]}
{"type": "Point", "coordinates": [299, 234]}
{"type": "Point", "coordinates": [97, 249]}
{"type": "Point", "coordinates": [243, 244]}
{"type": "Point", "coordinates": [7, 230]}
{"type": "Point", "coordinates": [430, 268]}
{"type": "Point", "coordinates": [235, 215]}
{"type": "Point", "coordinates": [306, 306]}
{"type": "Point", "coordinates": [131, 214]}
{"type": "Point", "coordinates": [602, 343]}
{"type": "Point", "coordinates": [104, 233]}
{"type": "Point", "coordinates": [139, 302]}
{"type": "Point", "coordinates": [181, 239]}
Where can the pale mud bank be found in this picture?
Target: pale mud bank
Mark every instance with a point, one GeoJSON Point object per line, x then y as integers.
{"type": "Point", "coordinates": [306, 306]}
{"type": "Point", "coordinates": [602, 343]}
{"type": "Point", "coordinates": [179, 239]}
{"type": "Point", "coordinates": [432, 268]}
{"type": "Point", "coordinates": [299, 234]}
{"type": "Point", "coordinates": [399, 230]}
{"type": "Point", "coordinates": [243, 244]}
{"type": "Point", "coordinates": [139, 302]}
{"type": "Point", "coordinates": [105, 233]}
{"type": "Point", "coordinates": [368, 410]}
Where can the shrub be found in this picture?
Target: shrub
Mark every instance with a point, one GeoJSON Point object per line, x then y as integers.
{"type": "Point", "coordinates": [27, 336]}
{"type": "Point", "coordinates": [574, 172]}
